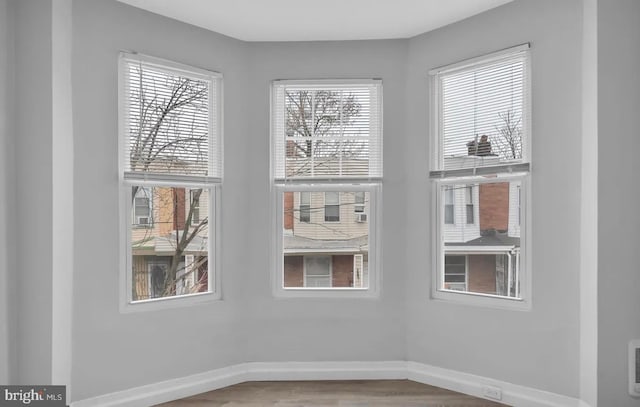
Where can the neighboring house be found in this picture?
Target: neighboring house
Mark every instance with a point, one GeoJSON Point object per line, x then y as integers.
{"type": "Point", "coordinates": [159, 215]}
{"type": "Point", "coordinates": [482, 235]}
{"type": "Point", "coordinates": [326, 239]}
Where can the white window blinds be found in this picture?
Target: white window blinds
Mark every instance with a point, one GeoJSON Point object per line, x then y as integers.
{"type": "Point", "coordinates": [483, 112]}
{"type": "Point", "coordinates": [171, 123]}
{"type": "Point", "coordinates": [327, 130]}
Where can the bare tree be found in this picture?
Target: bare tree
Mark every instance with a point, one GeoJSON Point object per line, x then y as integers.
{"type": "Point", "coordinates": [169, 134]}
{"type": "Point", "coordinates": [318, 114]}
{"type": "Point", "coordinates": [508, 142]}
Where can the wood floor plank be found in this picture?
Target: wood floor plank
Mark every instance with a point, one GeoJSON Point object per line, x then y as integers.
{"type": "Point", "coordinates": [339, 393]}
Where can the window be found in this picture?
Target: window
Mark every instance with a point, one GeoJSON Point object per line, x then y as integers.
{"type": "Point", "coordinates": [455, 272]}
{"type": "Point", "coordinates": [142, 207]}
{"type": "Point", "coordinates": [480, 169]}
{"type": "Point", "coordinates": [317, 271]}
{"type": "Point", "coordinates": [171, 170]}
{"type": "Point", "coordinates": [195, 197]}
{"type": "Point", "coordinates": [468, 198]}
{"type": "Point", "coordinates": [449, 200]}
{"type": "Point", "coordinates": [358, 206]}
{"type": "Point", "coordinates": [305, 207]}
{"type": "Point", "coordinates": [331, 207]}
{"type": "Point", "coordinates": [327, 166]}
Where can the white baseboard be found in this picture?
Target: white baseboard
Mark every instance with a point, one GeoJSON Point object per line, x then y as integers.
{"type": "Point", "coordinates": [263, 371]}
{"type": "Point", "coordinates": [512, 394]}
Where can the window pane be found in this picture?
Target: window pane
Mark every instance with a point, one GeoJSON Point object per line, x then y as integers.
{"type": "Point", "coordinates": [167, 118]}
{"type": "Point", "coordinates": [318, 253]}
{"type": "Point", "coordinates": [331, 207]}
{"type": "Point", "coordinates": [329, 131]}
{"type": "Point", "coordinates": [485, 255]}
{"type": "Point", "coordinates": [484, 113]}
{"type": "Point", "coordinates": [171, 256]}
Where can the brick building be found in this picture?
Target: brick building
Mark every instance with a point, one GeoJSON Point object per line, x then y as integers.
{"type": "Point", "coordinates": [325, 239]}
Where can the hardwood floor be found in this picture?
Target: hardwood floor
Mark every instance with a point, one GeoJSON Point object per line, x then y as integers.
{"type": "Point", "coordinates": [351, 393]}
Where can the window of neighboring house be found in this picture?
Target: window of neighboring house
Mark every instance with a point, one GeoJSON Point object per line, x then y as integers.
{"type": "Point", "coordinates": [327, 150]}
{"type": "Point", "coordinates": [449, 199]}
{"type": "Point", "coordinates": [305, 207]}
{"type": "Point", "coordinates": [468, 198]}
{"type": "Point", "coordinates": [317, 271]}
{"type": "Point", "coordinates": [481, 144]}
{"type": "Point", "coordinates": [455, 272]}
{"type": "Point", "coordinates": [358, 206]}
{"type": "Point", "coordinates": [171, 163]}
{"type": "Point", "coordinates": [331, 207]}
{"type": "Point", "coordinates": [194, 200]}
{"type": "Point", "coordinates": [142, 207]}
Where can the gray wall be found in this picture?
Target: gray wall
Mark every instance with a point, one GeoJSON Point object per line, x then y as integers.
{"type": "Point", "coordinates": [327, 329]}
{"type": "Point", "coordinates": [7, 195]}
{"type": "Point", "coordinates": [33, 237]}
{"type": "Point", "coordinates": [619, 220]}
{"type": "Point", "coordinates": [114, 351]}
{"type": "Point", "coordinates": [537, 348]}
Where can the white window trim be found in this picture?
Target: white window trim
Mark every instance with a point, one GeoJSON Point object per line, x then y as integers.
{"type": "Point", "coordinates": [375, 257]}
{"type": "Point", "coordinates": [519, 170]}
{"type": "Point", "coordinates": [371, 184]}
{"type": "Point", "coordinates": [213, 184]}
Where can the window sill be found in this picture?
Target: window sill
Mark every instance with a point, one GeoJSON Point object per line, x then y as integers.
{"type": "Point", "coordinates": [481, 300]}
{"type": "Point", "coordinates": [319, 292]}
{"type": "Point", "coordinates": [179, 301]}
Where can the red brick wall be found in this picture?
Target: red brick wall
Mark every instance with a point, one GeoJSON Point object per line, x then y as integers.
{"type": "Point", "coordinates": [482, 273]}
{"type": "Point", "coordinates": [342, 270]}
{"type": "Point", "coordinates": [293, 271]}
{"type": "Point", "coordinates": [288, 210]}
{"type": "Point", "coordinates": [494, 206]}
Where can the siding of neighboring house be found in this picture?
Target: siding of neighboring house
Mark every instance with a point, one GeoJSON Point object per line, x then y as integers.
{"type": "Point", "coordinates": [460, 230]}
{"type": "Point", "coordinates": [317, 228]}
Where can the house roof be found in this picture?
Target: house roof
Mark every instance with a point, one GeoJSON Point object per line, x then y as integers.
{"type": "Point", "coordinates": [298, 244]}
{"type": "Point", "coordinates": [490, 238]}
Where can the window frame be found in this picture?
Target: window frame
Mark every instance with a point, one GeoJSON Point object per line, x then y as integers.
{"type": "Point", "coordinates": [211, 183]}
{"type": "Point", "coordinates": [372, 183]}
{"type": "Point", "coordinates": [515, 171]}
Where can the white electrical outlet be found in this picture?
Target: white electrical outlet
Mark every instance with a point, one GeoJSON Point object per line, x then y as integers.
{"type": "Point", "coordinates": [634, 368]}
{"type": "Point", "coordinates": [492, 392]}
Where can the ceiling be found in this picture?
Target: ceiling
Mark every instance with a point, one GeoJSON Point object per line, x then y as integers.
{"type": "Point", "coordinates": [300, 20]}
